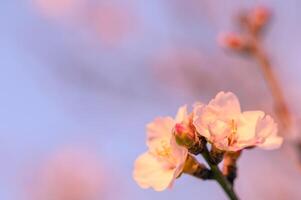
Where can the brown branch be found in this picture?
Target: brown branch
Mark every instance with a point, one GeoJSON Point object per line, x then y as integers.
{"type": "Point", "coordinates": [281, 108]}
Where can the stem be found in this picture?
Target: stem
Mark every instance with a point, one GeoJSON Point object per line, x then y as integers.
{"type": "Point", "coordinates": [219, 177]}
{"type": "Point", "coordinates": [229, 165]}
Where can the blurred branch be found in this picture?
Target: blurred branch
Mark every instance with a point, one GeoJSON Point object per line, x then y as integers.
{"type": "Point", "coordinates": [281, 106]}
{"type": "Point", "coordinates": [252, 24]}
{"type": "Point", "coordinates": [248, 42]}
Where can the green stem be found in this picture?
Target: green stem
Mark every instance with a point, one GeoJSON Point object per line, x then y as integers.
{"type": "Point", "coordinates": [219, 177]}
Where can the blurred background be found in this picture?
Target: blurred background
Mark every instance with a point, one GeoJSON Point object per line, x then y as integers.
{"type": "Point", "coordinates": [79, 80]}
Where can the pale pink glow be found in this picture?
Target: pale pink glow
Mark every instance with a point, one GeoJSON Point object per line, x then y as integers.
{"type": "Point", "coordinates": [69, 174]}
{"type": "Point", "coordinates": [113, 23]}
{"type": "Point", "coordinates": [176, 66]}
{"type": "Point", "coordinates": [54, 8]}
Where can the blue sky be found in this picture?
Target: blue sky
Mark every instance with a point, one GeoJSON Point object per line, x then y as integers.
{"type": "Point", "coordinates": [60, 86]}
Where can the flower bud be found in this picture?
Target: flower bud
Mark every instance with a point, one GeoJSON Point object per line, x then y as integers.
{"type": "Point", "coordinates": [184, 135]}
{"type": "Point", "coordinates": [231, 41]}
{"type": "Point", "coordinates": [259, 16]}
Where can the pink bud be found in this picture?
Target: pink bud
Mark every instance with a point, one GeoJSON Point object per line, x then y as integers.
{"type": "Point", "coordinates": [259, 16]}
{"type": "Point", "coordinates": [231, 40]}
{"type": "Point", "coordinates": [184, 135]}
{"type": "Point", "coordinates": [179, 128]}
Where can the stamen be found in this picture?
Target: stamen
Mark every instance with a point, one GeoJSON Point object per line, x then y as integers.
{"type": "Point", "coordinates": [232, 137]}
{"type": "Point", "coordinates": [233, 127]}
{"type": "Point", "coordinates": [165, 152]}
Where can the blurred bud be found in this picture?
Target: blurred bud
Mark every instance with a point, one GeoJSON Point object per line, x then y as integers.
{"type": "Point", "coordinates": [196, 169]}
{"type": "Point", "coordinates": [232, 41]}
{"type": "Point", "coordinates": [259, 16]}
{"type": "Point", "coordinates": [69, 174]}
{"type": "Point", "coordinates": [114, 24]}
{"type": "Point", "coordinates": [230, 166]}
{"type": "Point", "coordinates": [216, 155]}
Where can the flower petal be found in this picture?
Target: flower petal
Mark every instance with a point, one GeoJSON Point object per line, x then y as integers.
{"type": "Point", "coordinates": [201, 119]}
{"type": "Point", "coordinates": [266, 127]}
{"type": "Point", "coordinates": [219, 130]}
{"type": "Point", "coordinates": [247, 125]}
{"type": "Point", "coordinates": [180, 155]}
{"type": "Point", "coordinates": [159, 130]}
{"type": "Point", "coordinates": [226, 104]}
{"type": "Point", "coordinates": [150, 172]}
{"type": "Point", "coordinates": [182, 114]}
{"type": "Point", "coordinates": [266, 131]}
{"type": "Point", "coordinates": [271, 143]}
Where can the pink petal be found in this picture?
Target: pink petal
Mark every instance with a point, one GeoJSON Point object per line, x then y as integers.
{"type": "Point", "coordinates": [149, 172]}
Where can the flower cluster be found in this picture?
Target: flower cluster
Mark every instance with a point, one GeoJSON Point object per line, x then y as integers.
{"type": "Point", "coordinates": [220, 124]}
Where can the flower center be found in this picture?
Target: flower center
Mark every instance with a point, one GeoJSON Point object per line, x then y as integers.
{"type": "Point", "coordinates": [233, 130]}
{"type": "Point", "coordinates": [164, 152]}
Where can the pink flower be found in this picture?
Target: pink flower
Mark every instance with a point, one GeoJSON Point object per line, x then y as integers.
{"type": "Point", "coordinates": [223, 124]}
{"type": "Point", "coordinates": [165, 159]}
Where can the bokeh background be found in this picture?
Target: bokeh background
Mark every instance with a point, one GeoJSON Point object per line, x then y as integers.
{"type": "Point", "coordinates": [79, 79]}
